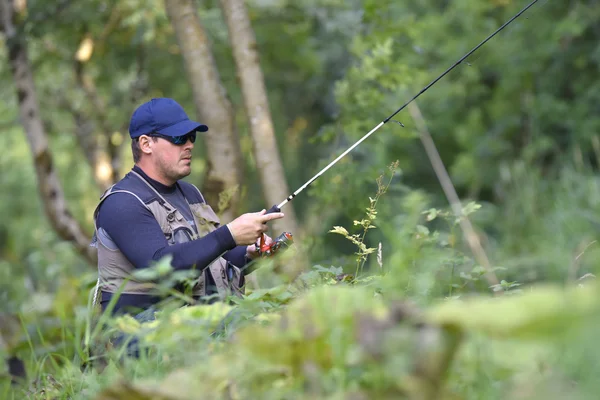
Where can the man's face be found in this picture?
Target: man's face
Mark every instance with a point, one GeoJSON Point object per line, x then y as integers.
{"type": "Point", "coordinates": [173, 161]}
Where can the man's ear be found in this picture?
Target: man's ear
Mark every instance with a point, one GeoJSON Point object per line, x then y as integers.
{"type": "Point", "coordinates": [145, 144]}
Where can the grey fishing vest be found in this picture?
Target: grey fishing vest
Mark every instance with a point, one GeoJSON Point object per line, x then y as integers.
{"type": "Point", "coordinates": [114, 268]}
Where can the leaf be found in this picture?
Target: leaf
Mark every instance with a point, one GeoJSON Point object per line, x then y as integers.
{"type": "Point", "coordinates": [178, 386]}
{"type": "Point", "coordinates": [127, 391]}
{"type": "Point", "coordinates": [541, 312]}
{"type": "Point", "coordinates": [310, 320]}
{"type": "Point", "coordinates": [339, 230]}
{"type": "Point", "coordinates": [331, 270]}
{"type": "Point", "coordinates": [127, 324]}
{"type": "Point", "coordinates": [368, 250]}
{"type": "Point", "coordinates": [470, 208]}
{"type": "Point", "coordinates": [479, 270]}
{"type": "Point", "coordinates": [465, 276]}
{"type": "Point", "coordinates": [145, 275]}
{"type": "Point", "coordinates": [432, 214]}
{"type": "Point", "coordinates": [422, 231]}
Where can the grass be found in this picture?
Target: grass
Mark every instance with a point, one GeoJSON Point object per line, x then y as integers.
{"type": "Point", "coordinates": [418, 322]}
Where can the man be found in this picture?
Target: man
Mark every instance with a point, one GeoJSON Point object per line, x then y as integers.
{"type": "Point", "coordinates": [152, 213]}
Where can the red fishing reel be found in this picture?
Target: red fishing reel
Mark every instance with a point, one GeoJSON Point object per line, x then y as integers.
{"type": "Point", "coordinates": [282, 241]}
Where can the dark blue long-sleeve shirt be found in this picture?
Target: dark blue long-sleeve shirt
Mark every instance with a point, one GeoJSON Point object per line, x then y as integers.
{"type": "Point", "coordinates": [125, 223]}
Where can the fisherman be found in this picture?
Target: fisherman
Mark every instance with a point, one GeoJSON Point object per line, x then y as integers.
{"type": "Point", "coordinates": [152, 213]}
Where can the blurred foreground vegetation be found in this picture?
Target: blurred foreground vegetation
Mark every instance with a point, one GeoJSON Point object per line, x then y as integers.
{"type": "Point", "coordinates": [405, 310]}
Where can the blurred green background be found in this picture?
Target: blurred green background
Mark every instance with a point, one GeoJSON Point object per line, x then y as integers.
{"type": "Point", "coordinates": [517, 128]}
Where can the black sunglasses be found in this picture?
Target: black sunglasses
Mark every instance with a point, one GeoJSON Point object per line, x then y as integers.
{"type": "Point", "coordinates": [177, 140]}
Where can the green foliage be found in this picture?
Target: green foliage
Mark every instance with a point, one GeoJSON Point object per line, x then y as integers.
{"type": "Point", "coordinates": [326, 335]}
{"type": "Point", "coordinates": [515, 125]}
{"type": "Point", "coordinates": [336, 340]}
{"type": "Point", "coordinates": [512, 101]}
{"type": "Point", "coordinates": [367, 223]}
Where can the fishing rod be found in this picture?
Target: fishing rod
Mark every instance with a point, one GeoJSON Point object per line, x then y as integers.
{"type": "Point", "coordinates": [277, 208]}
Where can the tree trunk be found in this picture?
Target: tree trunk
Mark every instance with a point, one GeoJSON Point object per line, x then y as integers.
{"type": "Point", "coordinates": [49, 186]}
{"type": "Point", "coordinates": [266, 153]}
{"type": "Point", "coordinates": [224, 155]}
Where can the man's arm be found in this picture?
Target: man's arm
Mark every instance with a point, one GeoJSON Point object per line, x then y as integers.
{"type": "Point", "coordinates": [237, 256]}
{"type": "Point", "coordinates": [135, 231]}
{"type": "Point", "coordinates": [242, 256]}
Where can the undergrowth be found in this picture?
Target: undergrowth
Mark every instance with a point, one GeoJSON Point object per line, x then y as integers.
{"type": "Point", "coordinates": [329, 334]}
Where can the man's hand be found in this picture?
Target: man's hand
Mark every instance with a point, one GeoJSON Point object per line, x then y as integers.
{"type": "Point", "coordinates": [252, 250]}
{"type": "Point", "coordinates": [247, 228]}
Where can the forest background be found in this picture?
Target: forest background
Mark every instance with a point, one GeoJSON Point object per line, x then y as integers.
{"type": "Point", "coordinates": [285, 87]}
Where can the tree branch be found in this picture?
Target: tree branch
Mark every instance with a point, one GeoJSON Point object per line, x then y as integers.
{"type": "Point", "coordinates": [451, 195]}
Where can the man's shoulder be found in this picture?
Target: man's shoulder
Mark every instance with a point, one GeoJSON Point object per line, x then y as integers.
{"type": "Point", "coordinates": [132, 185]}
{"type": "Point", "coordinates": [191, 192]}
{"type": "Point", "coordinates": [127, 194]}
{"type": "Point", "coordinates": [120, 204]}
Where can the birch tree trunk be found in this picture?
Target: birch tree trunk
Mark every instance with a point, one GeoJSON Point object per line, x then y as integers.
{"type": "Point", "coordinates": [266, 153]}
{"type": "Point", "coordinates": [224, 155]}
{"type": "Point", "coordinates": [49, 186]}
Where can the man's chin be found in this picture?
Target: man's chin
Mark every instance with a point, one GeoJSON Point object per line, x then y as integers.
{"type": "Point", "coordinates": [184, 171]}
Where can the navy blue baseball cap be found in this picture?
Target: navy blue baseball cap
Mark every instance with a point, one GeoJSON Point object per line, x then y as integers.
{"type": "Point", "coordinates": [164, 116]}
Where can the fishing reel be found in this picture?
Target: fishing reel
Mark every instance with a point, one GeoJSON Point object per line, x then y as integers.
{"type": "Point", "coordinates": [281, 242]}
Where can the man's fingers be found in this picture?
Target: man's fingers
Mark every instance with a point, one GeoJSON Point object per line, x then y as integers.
{"type": "Point", "coordinates": [272, 216]}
